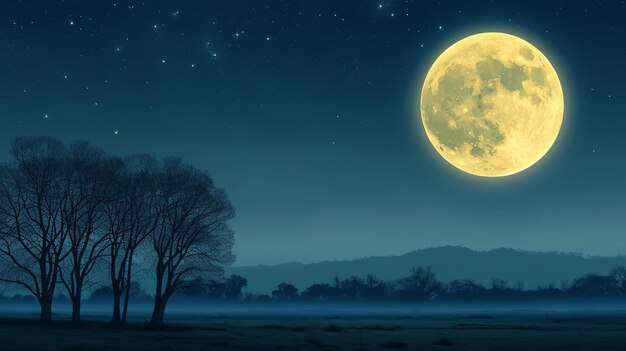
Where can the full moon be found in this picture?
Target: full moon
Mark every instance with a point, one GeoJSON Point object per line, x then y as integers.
{"type": "Point", "coordinates": [492, 105]}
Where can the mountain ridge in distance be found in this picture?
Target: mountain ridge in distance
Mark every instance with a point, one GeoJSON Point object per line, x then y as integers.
{"type": "Point", "coordinates": [449, 262]}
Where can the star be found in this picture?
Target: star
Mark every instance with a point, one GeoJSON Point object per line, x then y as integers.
{"type": "Point", "coordinates": [116, 132]}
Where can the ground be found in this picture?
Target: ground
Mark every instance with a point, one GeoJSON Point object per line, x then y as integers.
{"type": "Point", "coordinates": [327, 331]}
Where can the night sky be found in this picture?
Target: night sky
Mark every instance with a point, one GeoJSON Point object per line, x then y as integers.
{"type": "Point", "coordinates": [306, 112]}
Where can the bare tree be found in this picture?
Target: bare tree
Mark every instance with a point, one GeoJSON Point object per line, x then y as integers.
{"type": "Point", "coordinates": [285, 292]}
{"type": "Point", "coordinates": [374, 288]}
{"type": "Point", "coordinates": [131, 215]}
{"type": "Point", "coordinates": [422, 282]}
{"type": "Point", "coordinates": [193, 238]}
{"type": "Point", "coordinates": [32, 230]}
{"type": "Point", "coordinates": [88, 180]}
{"type": "Point", "coordinates": [618, 274]}
{"type": "Point", "coordinates": [232, 287]}
{"type": "Point", "coordinates": [498, 284]}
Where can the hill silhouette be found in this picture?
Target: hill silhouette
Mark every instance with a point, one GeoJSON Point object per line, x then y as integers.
{"type": "Point", "coordinates": [449, 262]}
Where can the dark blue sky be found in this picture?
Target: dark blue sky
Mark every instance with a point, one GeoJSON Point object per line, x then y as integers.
{"type": "Point", "coordinates": [306, 112]}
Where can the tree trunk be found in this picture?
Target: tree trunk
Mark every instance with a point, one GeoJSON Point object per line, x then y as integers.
{"type": "Point", "coordinates": [128, 286]}
{"type": "Point", "coordinates": [76, 300]}
{"type": "Point", "coordinates": [125, 307]}
{"type": "Point", "coordinates": [116, 288]}
{"type": "Point", "coordinates": [159, 302]}
{"type": "Point", "coordinates": [115, 319]}
{"type": "Point", "coordinates": [45, 304]}
{"type": "Point", "coordinates": [158, 313]}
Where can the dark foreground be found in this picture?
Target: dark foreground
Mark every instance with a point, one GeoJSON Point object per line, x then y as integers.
{"type": "Point", "coordinates": [484, 331]}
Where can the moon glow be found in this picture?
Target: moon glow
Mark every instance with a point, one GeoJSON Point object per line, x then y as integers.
{"type": "Point", "coordinates": [492, 105]}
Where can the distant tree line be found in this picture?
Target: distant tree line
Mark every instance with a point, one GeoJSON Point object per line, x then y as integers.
{"type": "Point", "coordinates": [421, 285]}
{"type": "Point", "coordinates": [69, 212]}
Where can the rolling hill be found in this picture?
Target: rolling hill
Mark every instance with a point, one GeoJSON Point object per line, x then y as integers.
{"type": "Point", "coordinates": [449, 262]}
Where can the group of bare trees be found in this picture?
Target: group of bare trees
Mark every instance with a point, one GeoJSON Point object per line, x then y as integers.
{"type": "Point", "coordinates": [69, 211]}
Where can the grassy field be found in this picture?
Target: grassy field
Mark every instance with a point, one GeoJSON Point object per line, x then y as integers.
{"type": "Point", "coordinates": [238, 331]}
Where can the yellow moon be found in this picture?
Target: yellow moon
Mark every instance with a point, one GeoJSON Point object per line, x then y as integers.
{"type": "Point", "coordinates": [492, 105]}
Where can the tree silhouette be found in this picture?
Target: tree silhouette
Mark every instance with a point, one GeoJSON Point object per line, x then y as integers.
{"type": "Point", "coordinates": [132, 213]}
{"type": "Point", "coordinates": [233, 286]}
{"type": "Point", "coordinates": [499, 287]}
{"type": "Point", "coordinates": [87, 182]}
{"type": "Point", "coordinates": [285, 292]}
{"type": "Point", "coordinates": [33, 234]}
{"type": "Point", "coordinates": [375, 289]}
{"type": "Point", "coordinates": [193, 237]}
{"type": "Point", "coordinates": [464, 289]}
{"type": "Point", "coordinates": [421, 283]}
{"type": "Point", "coordinates": [319, 292]}
{"type": "Point", "coordinates": [618, 275]}
{"type": "Point", "coordinates": [593, 285]}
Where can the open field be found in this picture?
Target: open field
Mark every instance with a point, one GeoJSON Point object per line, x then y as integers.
{"type": "Point", "coordinates": [332, 331]}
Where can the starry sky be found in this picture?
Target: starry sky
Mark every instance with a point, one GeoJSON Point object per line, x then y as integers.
{"type": "Point", "coordinates": [306, 112]}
